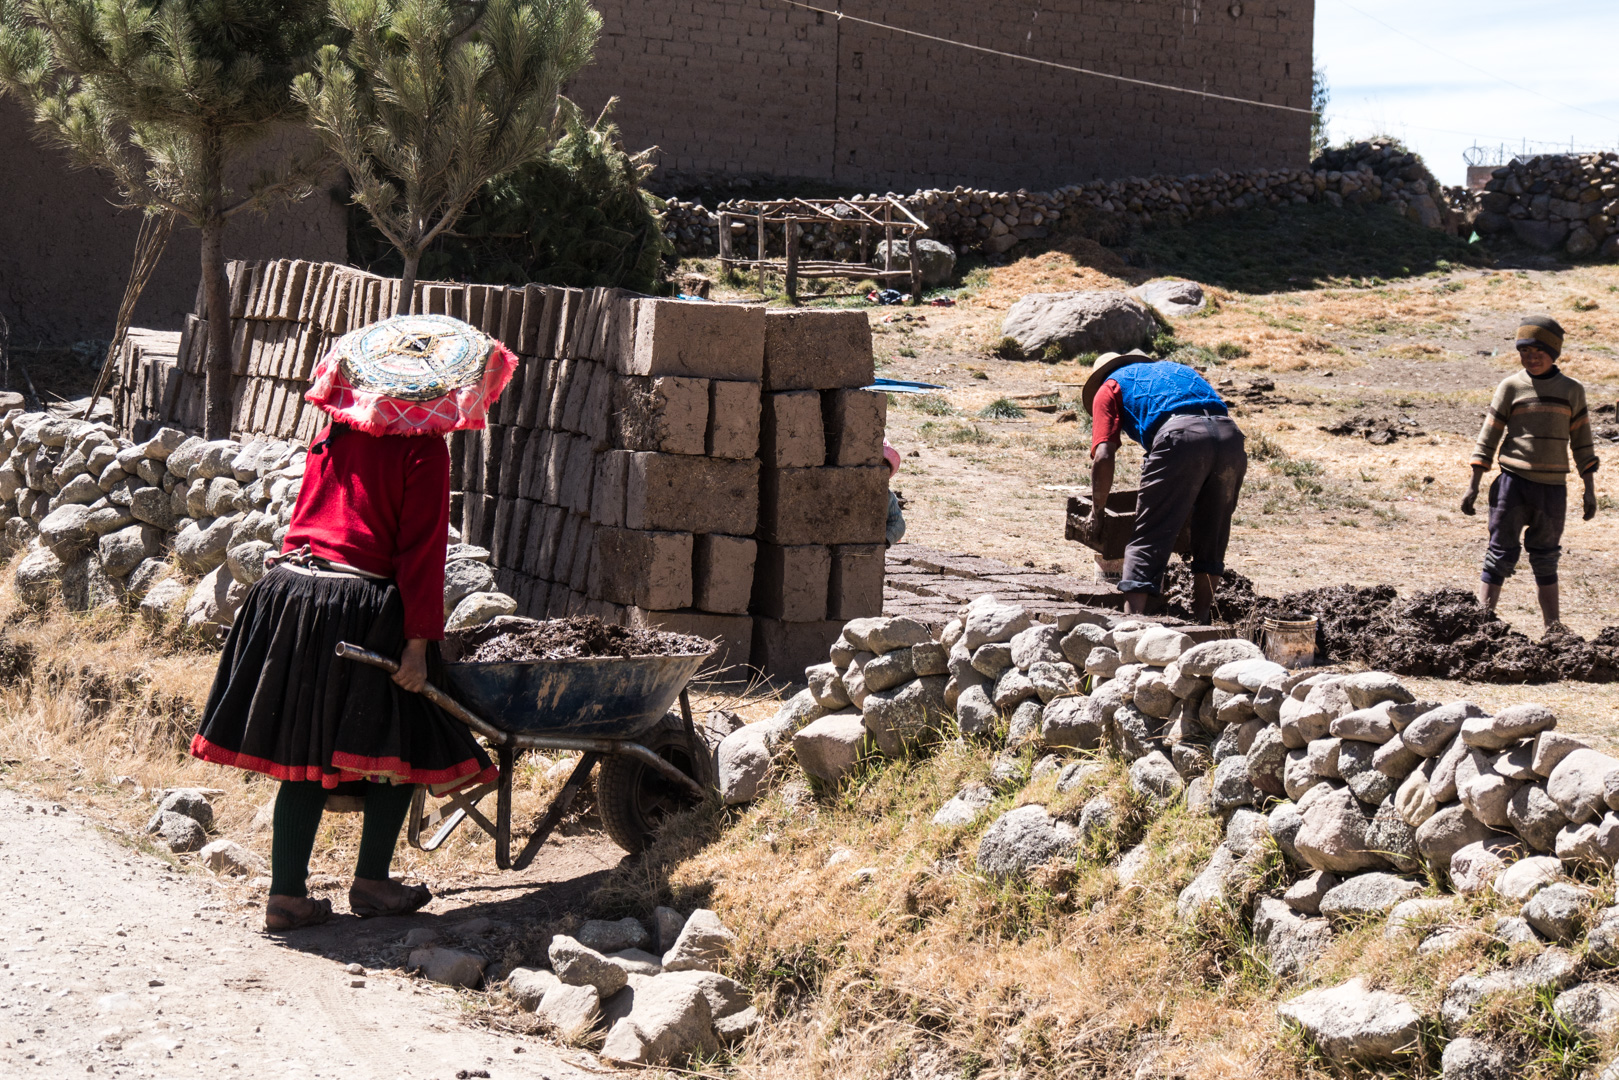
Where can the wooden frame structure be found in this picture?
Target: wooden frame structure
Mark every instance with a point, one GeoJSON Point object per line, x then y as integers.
{"type": "Point", "coordinates": [889, 215]}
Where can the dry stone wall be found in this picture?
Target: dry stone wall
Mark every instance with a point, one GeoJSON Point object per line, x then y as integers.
{"type": "Point", "coordinates": [995, 221]}
{"type": "Point", "coordinates": [1556, 203]}
{"type": "Point", "coordinates": [705, 468]}
{"type": "Point", "coordinates": [1364, 791]}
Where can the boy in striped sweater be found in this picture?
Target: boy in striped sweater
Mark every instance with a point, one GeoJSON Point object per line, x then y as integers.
{"type": "Point", "coordinates": [1536, 420]}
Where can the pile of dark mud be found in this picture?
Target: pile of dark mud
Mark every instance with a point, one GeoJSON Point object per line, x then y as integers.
{"type": "Point", "coordinates": [1442, 634]}
{"type": "Point", "coordinates": [512, 640]}
{"type": "Point", "coordinates": [1377, 430]}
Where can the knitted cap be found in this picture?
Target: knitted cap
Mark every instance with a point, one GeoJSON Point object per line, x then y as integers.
{"type": "Point", "coordinates": [1542, 331]}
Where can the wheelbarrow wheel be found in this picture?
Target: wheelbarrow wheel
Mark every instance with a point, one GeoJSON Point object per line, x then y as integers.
{"type": "Point", "coordinates": [633, 799]}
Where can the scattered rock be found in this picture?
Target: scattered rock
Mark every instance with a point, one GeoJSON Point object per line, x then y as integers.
{"type": "Point", "coordinates": [611, 937]}
{"type": "Point", "coordinates": [1291, 941]}
{"type": "Point", "coordinates": [1078, 322]}
{"type": "Point", "coordinates": [179, 832]}
{"type": "Point", "coordinates": [578, 965]}
{"type": "Point", "coordinates": [1349, 1023]}
{"type": "Point", "coordinates": [668, 1019]}
{"type": "Point", "coordinates": [829, 748]}
{"type": "Point", "coordinates": [229, 857]}
{"type": "Point", "coordinates": [526, 986]}
{"type": "Point", "coordinates": [1592, 1009]}
{"type": "Point", "coordinates": [704, 941]}
{"type": "Point", "coordinates": [965, 806]}
{"type": "Point", "coordinates": [1024, 838]}
{"type": "Point", "coordinates": [1558, 911]}
{"type": "Point", "coordinates": [1365, 896]}
{"type": "Point", "coordinates": [1474, 1059]}
{"type": "Point", "coordinates": [452, 967]}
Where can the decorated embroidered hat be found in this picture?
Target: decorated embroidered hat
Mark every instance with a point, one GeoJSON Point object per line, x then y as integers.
{"type": "Point", "coordinates": [412, 375]}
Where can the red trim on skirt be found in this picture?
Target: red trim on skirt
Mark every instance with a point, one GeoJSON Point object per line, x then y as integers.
{"type": "Point", "coordinates": [349, 767]}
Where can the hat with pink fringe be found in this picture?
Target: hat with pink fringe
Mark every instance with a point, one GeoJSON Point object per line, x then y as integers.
{"type": "Point", "coordinates": [412, 375]}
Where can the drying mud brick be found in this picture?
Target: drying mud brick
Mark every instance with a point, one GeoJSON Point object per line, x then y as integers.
{"type": "Point", "coordinates": [580, 475]}
{"type": "Point", "coordinates": [702, 340]}
{"type": "Point", "coordinates": [499, 553]}
{"type": "Point", "coordinates": [511, 461]}
{"type": "Point", "coordinates": [722, 573]}
{"type": "Point", "coordinates": [828, 505]}
{"type": "Point", "coordinates": [855, 590]}
{"type": "Point", "coordinates": [784, 649]}
{"type": "Point", "coordinates": [790, 583]}
{"type": "Point", "coordinates": [817, 350]}
{"type": "Point", "coordinates": [647, 569]}
{"type": "Point", "coordinates": [668, 414]}
{"type": "Point", "coordinates": [493, 438]}
{"type": "Point", "coordinates": [854, 421]}
{"type": "Point", "coordinates": [545, 535]}
{"type": "Point", "coordinates": [680, 493]}
{"type": "Point", "coordinates": [733, 419]}
{"type": "Point", "coordinates": [733, 634]}
{"type": "Point", "coordinates": [607, 496]}
{"type": "Point", "coordinates": [790, 430]}
{"type": "Point", "coordinates": [573, 409]}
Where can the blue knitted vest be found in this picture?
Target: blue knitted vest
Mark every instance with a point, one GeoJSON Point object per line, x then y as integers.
{"type": "Point", "coordinates": [1151, 393]}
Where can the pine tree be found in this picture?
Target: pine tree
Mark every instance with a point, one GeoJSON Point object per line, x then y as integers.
{"type": "Point", "coordinates": [167, 96]}
{"type": "Point", "coordinates": [426, 102]}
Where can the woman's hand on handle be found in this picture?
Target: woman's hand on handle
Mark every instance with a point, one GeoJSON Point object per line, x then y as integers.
{"type": "Point", "coordinates": [412, 673]}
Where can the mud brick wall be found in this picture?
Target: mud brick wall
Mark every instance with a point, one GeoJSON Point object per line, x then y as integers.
{"type": "Point", "coordinates": [712, 469]}
{"type": "Point", "coordinates": [756, 87]}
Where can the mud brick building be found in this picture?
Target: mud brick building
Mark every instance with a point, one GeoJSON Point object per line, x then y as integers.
{"type": "Point", "coordinates": [766, 88]}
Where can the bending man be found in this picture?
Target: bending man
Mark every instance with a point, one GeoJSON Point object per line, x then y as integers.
{"type": "Point", "coordinates": [1194, 469]}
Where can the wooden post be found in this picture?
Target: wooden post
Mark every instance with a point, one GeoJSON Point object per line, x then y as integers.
{"type": "Point", "coordinates": [761, 248]}
{"type": "Point", "coordinates": [865, 244]}
{"type": "Point", "coordinates": [792, 228]}
{"type": "Point", "coordinates": [725, 242]}
{"type": "Point", "coordinates": [888, 240]}
{"type": "Point", "coordinates": [916, 268]}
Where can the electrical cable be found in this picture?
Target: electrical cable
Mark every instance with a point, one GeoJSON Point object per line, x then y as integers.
{"type": "Point", "coordinates": [1475, 67]}
{"type": "Point", "coordinates": [1045, 63]}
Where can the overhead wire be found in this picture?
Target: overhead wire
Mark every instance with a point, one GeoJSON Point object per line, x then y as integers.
{"type": "Point", "coordinates": [1043, 63]}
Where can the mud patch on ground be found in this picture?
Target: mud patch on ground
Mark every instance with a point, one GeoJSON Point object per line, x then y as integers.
{"type": "Point", "coordinates": [1442, 634]}
{"type": "Point", "coordinates": [1377, 430]}
{"type": "Point", "coordinates": [512, 640]}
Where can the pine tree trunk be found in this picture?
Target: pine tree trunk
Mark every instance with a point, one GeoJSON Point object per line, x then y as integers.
{"type": "Point", "coordinates": [216, 292]}
{"type": "Point", "coordinates": [407, 283]}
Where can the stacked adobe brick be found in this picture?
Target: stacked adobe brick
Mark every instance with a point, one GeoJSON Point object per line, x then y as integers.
{"type": "Point", "coordinates": [714, 469]}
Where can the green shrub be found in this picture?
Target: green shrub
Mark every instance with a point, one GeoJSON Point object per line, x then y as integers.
{"type": "Point", "coordinates": [1053, 353]}
{"type": "Point", "coordinates": [579, 218]}
{"type": "Point", "coordinates": [1230, 350]}
{"type": "Point", "coordinates": [932, 404]}
{"type": "Point", "coordinates": [1008, 349]}
{"type": "Point", "coordinates": [1002, 409]}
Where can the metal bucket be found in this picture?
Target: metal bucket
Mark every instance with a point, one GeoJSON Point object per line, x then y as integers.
{"type": "Point", "coordinates": [1289, 642]}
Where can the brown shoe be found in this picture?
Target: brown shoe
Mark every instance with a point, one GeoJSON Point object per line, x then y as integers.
{"type": "Point", "coordinates": [281, 917]}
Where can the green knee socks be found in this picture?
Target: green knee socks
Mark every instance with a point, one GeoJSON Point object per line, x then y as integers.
{"type": "Point", "coordinates": [298, 807]}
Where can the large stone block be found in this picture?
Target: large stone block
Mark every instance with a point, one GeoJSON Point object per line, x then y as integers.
{"type": "Point", "coordinates": [784, 649]}
{"type": "Point", "coordinates": [722, 573]}
{"type": "Point", "coordinates": [791, 432]}
{"type": "Point", "coordinates": [828, 505]}
{"type": "Point", "coordinates": [790, 583]}
{"type": "Point", "coordinates": [702, 340]}
{"type": "Point", "coordinates": [855, 588]}
{"type": "Point", "coordinates": [817, 350]}
{"type": "Point", "coordinates": [682, 493]}
{"type": "Point", "coordinates": [733, 419]}
{"type": "Point", "coordinates": [854, 421]}
{"type": "Point", "coordinates": [732, 634]}
{"type": "Point", "coordinates": [667, 414]}
{"type": "Point", "coordinates": [646, 569]}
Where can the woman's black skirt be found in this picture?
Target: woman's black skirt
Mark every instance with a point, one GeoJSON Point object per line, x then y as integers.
{"type": "Point", "coordinates": [283, 704]}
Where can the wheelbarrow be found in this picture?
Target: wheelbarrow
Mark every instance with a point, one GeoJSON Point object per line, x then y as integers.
{"type": "Point", "coordinates": [610, 709]}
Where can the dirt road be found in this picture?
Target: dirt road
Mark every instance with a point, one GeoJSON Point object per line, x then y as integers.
{"type": "Point", "coordinates": [114, 964]}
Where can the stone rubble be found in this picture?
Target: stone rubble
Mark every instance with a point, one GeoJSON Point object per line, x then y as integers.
{"type": "Point", "coordinates": [175, 526]}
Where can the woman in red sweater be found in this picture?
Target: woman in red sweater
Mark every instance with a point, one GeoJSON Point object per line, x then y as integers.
{"type": "Point", "coordinates": [363, 562]}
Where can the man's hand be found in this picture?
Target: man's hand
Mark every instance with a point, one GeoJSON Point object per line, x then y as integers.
{"type": "Point", "coordinates": [1470, 502]}
{"type": "Point", "coordinates": [412, 673]}
{"type": "Point", "coordinates": [1093, 528]}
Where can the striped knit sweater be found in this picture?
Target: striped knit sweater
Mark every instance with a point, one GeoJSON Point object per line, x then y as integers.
{"type": "Point", "coordinates": [1536, 423]}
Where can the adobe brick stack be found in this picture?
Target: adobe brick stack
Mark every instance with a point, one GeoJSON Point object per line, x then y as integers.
{"type": "Point", "coordinates": [823, 487]}
{"type": "Point", "coordinates": [706, 468]}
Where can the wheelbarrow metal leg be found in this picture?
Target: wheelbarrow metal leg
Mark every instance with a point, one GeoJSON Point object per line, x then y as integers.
{"type": "Point", "coordinates": [555, 813]}
{"type": "Point", "coordinates": [503, 810]}
{"type": "Point", "coordinates": [448, 817]}
{"type": "Point", "coordinates": [699, 747]}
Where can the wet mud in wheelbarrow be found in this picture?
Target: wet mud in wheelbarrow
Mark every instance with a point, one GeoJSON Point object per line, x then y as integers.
{"type": "Point", "coordinates": [610, 709]}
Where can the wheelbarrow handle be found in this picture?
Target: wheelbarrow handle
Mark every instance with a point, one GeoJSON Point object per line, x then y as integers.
{"type": "Point", "coordinates": [432, 693]}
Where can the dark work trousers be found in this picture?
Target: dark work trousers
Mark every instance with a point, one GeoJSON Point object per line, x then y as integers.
{"type": "Point", "coordinates": [1194, 469]}
{"type": "Point", "coordinates": [1525, 515]}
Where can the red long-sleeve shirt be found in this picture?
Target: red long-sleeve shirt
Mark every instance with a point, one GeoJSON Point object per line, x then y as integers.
{"type": "Point", "coordinates": [380, 503]}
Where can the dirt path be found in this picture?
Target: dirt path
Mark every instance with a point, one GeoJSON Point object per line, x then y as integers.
{"type": "Point", "coordinates": [113, 963]}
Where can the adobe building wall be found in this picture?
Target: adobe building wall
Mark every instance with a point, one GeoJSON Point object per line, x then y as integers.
{"type": "Point", "coordinates": [65, 248]}
{"type": "Point", "coordinates": [758, 87]}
